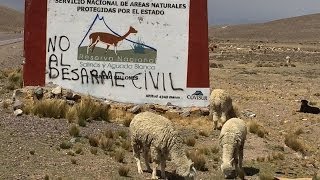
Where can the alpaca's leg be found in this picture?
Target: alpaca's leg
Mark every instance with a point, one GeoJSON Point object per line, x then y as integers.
{"type": "Point", "coordinates": [155, 162]}
{"type": "Point", "coordinates": [215, 119]}
{"type": "Point", "coordinates": [136, 155]}
{"type": "Point", "coordinates": [223, 119]}
{"type": "Point", "coordinates": [241, 173]}
{"type": "Point", "coordinates": [147, 158]}
{"type": "Point", "coordinates": [163, 167]}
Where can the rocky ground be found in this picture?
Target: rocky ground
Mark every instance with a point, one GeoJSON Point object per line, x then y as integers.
{"type": "Point", "coordinates": [264, 88]}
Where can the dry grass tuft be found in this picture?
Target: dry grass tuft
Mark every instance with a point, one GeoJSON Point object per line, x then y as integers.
{"type": "Point", "coordinates": [15, 80]}
{"type": "Point", "coordinates": [51, 108]}
{"type": "Point", "coordinates": [94, 150]}
{"type": "Point", "coordinates": [119, 155]}
{"type": "Point", "coordinates": [73, 161]}
{"type": "Point", "coordinates": [123, 171]}
{"type": "Point", "coordinates": [257, 129]}
{"type": "Point", "coordinates": [127, 121]}
{"type": "Point", "coordinates": [71, 115]}
{"type": "Point", "coordinates": [198, 159]}
{"type": "Point", "coordinates": [264, 176]}
{"type": "Point", "coordinates": [6, 104]}
{"type": "Point", "coordinates": [292, 141]}
{"type": "Point", "coordinates": [298, 131]}
{"type": "Point", "coordinates": [106, 143]}
{"type": "Point", "coordinates": [88, 108]}
{"type": "Point", "coordinates": [109, 134]}
{"type": "Point", "coordinates": [123, 134]}
{"type": "Point", "coordinates": [65, 145]}
{"type": "Point", "coordinates": [74, 130]}
{"type": "Point", "coordinates": [204, 133]}
{"type": "Point", "coordinates": [94, 141]}
{"type": "Point", "coordinates": [126, 145]}
{"type": "Point", "coordinates": [190, 141]}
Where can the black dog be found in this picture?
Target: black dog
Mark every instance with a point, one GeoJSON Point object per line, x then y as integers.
{"type": "Point", "coordinates": [308, 109]}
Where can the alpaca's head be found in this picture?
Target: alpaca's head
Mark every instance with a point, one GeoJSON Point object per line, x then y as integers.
{"type": "Point", "coordinates": [228, 170]}
{"type": "Point", "coordinates": [304, 102]}
{"type": "Point", "coordinates": [187, 170]}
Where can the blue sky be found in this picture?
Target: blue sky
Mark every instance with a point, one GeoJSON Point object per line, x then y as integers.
{"type": "Point", "coordinates": [240, 11]}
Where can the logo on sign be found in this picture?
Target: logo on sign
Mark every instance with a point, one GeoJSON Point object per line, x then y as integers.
{"type": "Point", "coordinates": [198, 95]}
{"type": "Point", "coordinates": [114, 47]}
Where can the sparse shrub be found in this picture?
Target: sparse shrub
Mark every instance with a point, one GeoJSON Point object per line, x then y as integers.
{"type": "Point", "coordinates": [278, 156]}
{"type": "Point", "coordinates": [311, 103]}
{"type": "Point", "coordinates": [126, 145]}
{"type": "Point", "coordinates": [71, 114]}
{"type": "Point", "coordinates": [204, 150]}
{"type": "Point", "coordinates": [203, 133]}
{"type": "Point", "coordinates": [190, 141]}
{"type": "Point", "coordinates": [51, 108]}
{"type": "Point", "coordinates": [74, 131]}
{"type": "Point", "coordinates": [15, 79]}
{"type": "Point", "coordinates": [198, 159]}
{"type": "Point", "coordinates": [79, 151]}
{"type": "Point", "coordinates": [127, 122]}
{"type": "Point", "coordinates": [215, 149]}
{"type": "Point", "coordinates": [94, 150]}
{"type": "Point", "coordinates": [73, 161]}
{"type": "Point", "coordinates": [257, 129]}
{"type": "Point", "coordinates": [298, 131]}
{"type": "Point", "coordinates": [94, 141]}
{"type": "Point", "coordinates": [123, 134]}
{"type": "Point", "coordinates": [109, 134]}
{"type": "Point", "coordinates": [317, 94]}
{"type": "Point", "coordinates": [65, 145]}
{"type": "Point", "coordinates": [264, 176]}
{"type": "Point", "coordinates": [123, 171]}
{"type": "Point", "coordinates": [32, 152]}
{"type": "Point", "coordinates": [119, 155]}
{"type": "Point", "coordinates": [293, 65]}
{"type": "Point", "coordinates": [213, 65]}
{"type": "Point", "coordinates": [88, 108]}
{"type": "Point", "coordinates": [5, 104]}
{"type": "Point", "coordinates": [106, 143]}
{"type": "Point", "coordinates": [46, 177]}
{"type": "Point", "coordinates": [70, 153]}
{"type": "Point", "coordinates": [292, 141]}
{"type": "Point", "coordinates": [261, 159]}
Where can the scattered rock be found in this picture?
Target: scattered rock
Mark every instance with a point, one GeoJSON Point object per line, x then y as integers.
{"type": "Point", "coordinates": [135, 109]}
{"type": "Point", "coordinates": [17, 94]}
{"type": "Point", "coordinates": [185, 113]}
{"type": "Point", "coordinates": [18, 112]}
{"type": "Point", "coordinates": [38, 92]}
{"type": "Point", "coordinates": [70, 102]}
{"type": "Point", "coordinates": [17, 104]}
{"type": "Point", "coordinates": [205, 111]}
{"type": "Point", "coordinates": [248, 113]}
{"type": "Point", "coordinates": [57, 91]}
{"type": "Point", "coordinates": [72, 96]}
{"type": "Point", "coordinates": [169, 104]}
{"type": "Point", "coordinates": [73, 140]}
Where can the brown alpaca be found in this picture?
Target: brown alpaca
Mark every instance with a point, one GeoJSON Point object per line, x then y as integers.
{"type": "Point", "coordinates": [107, 39]}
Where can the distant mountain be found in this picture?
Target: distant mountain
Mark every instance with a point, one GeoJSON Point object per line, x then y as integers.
{"type": "Point", "coordinates": [10, 20]}
{"type": "Point", "coordinates": [301, 28]}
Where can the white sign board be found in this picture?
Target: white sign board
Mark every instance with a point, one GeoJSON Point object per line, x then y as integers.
{"type": "Point", "coordinates": [128, 51]}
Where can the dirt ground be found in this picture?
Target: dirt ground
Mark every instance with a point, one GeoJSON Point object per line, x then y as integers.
{"type": "Point", "coordinates": [29, 146]}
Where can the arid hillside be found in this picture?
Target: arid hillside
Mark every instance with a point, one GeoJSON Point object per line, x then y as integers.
{"type": "Point", "coordinates": [10, 20]}
{"type": "Point", "coordinates": [296, 29]}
